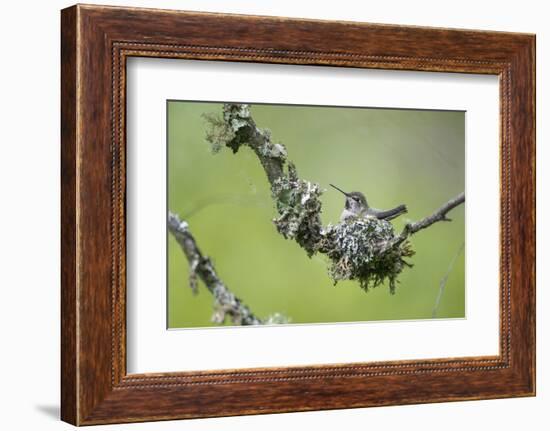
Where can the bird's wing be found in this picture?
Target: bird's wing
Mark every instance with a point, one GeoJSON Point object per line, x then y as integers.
{"type": "Point", "coordinates": [390, 214]}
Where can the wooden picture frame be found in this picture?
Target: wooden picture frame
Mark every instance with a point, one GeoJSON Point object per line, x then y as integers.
{"type": "Point", "coordinates": [95, 43]}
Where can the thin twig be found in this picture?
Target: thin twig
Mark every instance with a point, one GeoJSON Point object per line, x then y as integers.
{"type": "Point", "coordinates": [443, 281]}
{"type": "Point", "coordinates": [438, 215]}
{"type": "Point", "coordinates": [226, 303]}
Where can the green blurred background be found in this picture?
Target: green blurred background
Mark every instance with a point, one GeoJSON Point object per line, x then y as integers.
{"type": "Point", "coordinates": [393, 156]}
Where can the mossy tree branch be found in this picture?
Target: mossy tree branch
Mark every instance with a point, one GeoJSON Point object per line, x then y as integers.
{"type": "Point", "coordinates": [297, 201]}
{"type": "Point", "coordinates": [226, 304]}
{"type": "Point", "coordinates": [365, 249]}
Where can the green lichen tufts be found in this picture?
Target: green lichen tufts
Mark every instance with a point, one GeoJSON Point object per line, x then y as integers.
{"type": "Point", "coordinates": [298, 205]}
{"type": "Point", "coordinates": [237, 118]}
{"type": "Point", "coordinates": [232, 130]}
{"type": "Point", "coordinates": [218, 134]}
{"type": "Point", "coordinates": [354, 250]}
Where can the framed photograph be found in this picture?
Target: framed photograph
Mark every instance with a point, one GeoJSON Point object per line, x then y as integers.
{"type": "Point", "coordinates": [322, 214]}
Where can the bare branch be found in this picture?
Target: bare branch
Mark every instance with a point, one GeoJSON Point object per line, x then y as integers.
{"type": "Point", "coordinates": [226, 303]}
{"type": "Point", "coordinates": [439, 215]}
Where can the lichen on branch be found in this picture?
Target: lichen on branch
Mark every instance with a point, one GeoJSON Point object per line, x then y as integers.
{"type": "Point", "coordinates": [226, 304]}
{"type": "Point", "coordinates": [296, 200]}
{"type": "Point", "coordinates": [299, 209]}
{"type": "Point", "coordinates": [365, 249]}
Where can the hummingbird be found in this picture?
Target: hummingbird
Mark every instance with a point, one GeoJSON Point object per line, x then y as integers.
{"type": "Point", "coordinates": [357, 206]}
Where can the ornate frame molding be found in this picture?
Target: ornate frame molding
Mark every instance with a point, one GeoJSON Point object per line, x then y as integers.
{"type": "Point", "coordinates": [96, 41]}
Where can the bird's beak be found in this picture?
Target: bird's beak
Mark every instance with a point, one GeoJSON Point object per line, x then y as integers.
{"type": "Point", "coordinates": [340, 190]}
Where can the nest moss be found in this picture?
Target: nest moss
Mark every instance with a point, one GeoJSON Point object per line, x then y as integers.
{"type": "Point", "coordinates": [355, 251]}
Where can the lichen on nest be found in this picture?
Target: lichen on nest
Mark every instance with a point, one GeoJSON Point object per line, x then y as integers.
{"type": "Point", "coordinates": [355, 251]}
